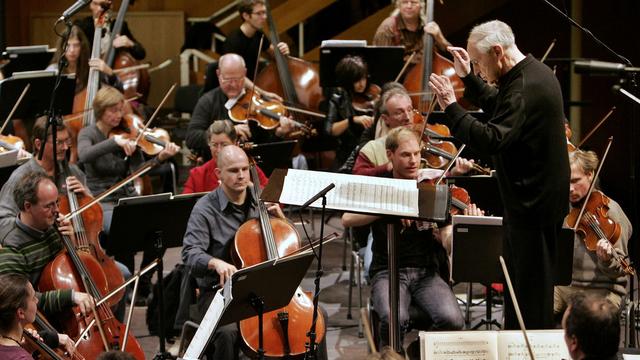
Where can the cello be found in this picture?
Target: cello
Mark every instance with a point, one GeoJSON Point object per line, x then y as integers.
{"type": "Point", "coordinates": [96, 332]}
{"type": "Point", "coordinates": [135, 81]}
{"type": "Point", "coordinates": [296, 80]}
{"type": "Point", "coordinates": [284, 329]}
{"type": "Point", "coordinates": [87, 227]}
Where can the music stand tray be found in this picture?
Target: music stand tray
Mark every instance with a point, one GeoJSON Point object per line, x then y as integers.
{"type": "Point", "coordinates": [262, 283]}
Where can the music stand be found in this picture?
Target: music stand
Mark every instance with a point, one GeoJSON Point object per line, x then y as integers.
{"type": "Point", "coordinates": [273, 155]}
{"type": "Point", "coordinates": [383, 62]}
{"type": "Point", "coordinates": [253, 291]}
{"type": "Point", "coordinates": [163, 226]}
{"type": "Point", "coordinates": [26, 58]}
{"type": "Point", "coordinates": [36, 101]}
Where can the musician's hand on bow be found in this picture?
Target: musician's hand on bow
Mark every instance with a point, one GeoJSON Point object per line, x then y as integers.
{"type": "Point", "coordinates": [462, 167]}
{"type": "Point", "coordinates": [473, 210]}
{"type": "Point", "coordinates": [169, 151]}
{"type": "Point", "coordinates": [101, 66]}
{"type": "Point", "coordinates": [441, 86]}
{"type": "Point", "coordinates": [604, 250]}
{"type": "Point", "coordinates": [223, 268]}
{"type": "Point", "coordinates": [283, 48]}
{"type": "Point", "coordinates": [73, 184]}
{"type": "Point", "coordinates": [243, 131]}
{"type": "Point", "coordinates": [286, 126]}
{"type": "Point", "coordinates": [84, 301]}
{"type": "Point", "coordinates": [461, 60]}
{"type": "Point", "coordinates": [122, 41]}
{"type": "Point", "coordinates": [127, 145]}
{"type": "Point", "coordinates": [66, 343]}
{"type": "Point", "coordinates": [275, 210]}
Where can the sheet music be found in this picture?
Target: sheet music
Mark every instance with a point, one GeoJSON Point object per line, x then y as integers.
{"type": "Point", "coordinates": [459, 345]}
{"type": "Point", "coordinates": [546, 345]}
{"type": "Point", "coordinates": [366, 194]}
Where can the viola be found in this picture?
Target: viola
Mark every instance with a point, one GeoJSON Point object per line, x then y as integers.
{"type": "Point", "coordinates": [285, 329]}
{"type": "Point", "coordinates": [595, 224]}
{"type": "Point", "coordinates": [364, 103]}
{"type": "Point", "coordinates": [97, 331]}
{"type": "Point", "coordinates": [87, 228]}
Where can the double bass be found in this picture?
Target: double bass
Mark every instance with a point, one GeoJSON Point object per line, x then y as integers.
{"type": "Point", "coordinates": [136, 81]}
{"type": "Point", "coordinates": [285, 329]}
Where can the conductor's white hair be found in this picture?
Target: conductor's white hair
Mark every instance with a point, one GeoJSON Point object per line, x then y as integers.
{"type": "Point", "coordinates": [492, 33]}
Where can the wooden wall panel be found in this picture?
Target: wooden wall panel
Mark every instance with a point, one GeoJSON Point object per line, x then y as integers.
{"type": "Point", "coordinates": [160, 32]}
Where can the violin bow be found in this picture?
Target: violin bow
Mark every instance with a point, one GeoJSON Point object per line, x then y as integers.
{"type": "Point", "coordinates": [404, 68]}
{"type": "Point", "coordinates": [426, 118]}
{"type": "Point", "coordinates": [15, 107]}
{"type": "Point", "coordinates": [546, 54]}
{"type": "Point", "coordinates": [592, 185]}
{"type": "Point", "coordinates": [516, 306]}
{"type": "Point", "coordinates": [146, 125]}
{"type": "Point", "coordinates": [451, 162]}
{"type": "Point", "coordinates": [596, 127]}
{"type": "Point", "coordinates": [136, 174]}
{"type": "Point", "coordinates": [80, 113]}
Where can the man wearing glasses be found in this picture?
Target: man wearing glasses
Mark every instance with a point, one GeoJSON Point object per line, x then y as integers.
{"type": "Point", "coordinates": [245, 41]}
{"type": "Point", "coordinates": [406, 27]}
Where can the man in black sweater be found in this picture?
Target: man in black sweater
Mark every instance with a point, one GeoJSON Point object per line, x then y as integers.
{"type": "Point", "coordinates": [525, 137]}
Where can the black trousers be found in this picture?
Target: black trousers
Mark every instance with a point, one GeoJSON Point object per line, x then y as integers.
{"type": "Point", "coordinates": [529, 252]}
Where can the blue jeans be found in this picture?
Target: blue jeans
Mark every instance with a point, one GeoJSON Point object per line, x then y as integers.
{"type": "Point", "coordinates": [425, 290]}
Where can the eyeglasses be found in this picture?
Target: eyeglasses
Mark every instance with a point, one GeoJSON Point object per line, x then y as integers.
{"type": "Point", "coordinates": [218, 144]}
{"type": "Point", "coordinates": [259, 13]}
{"type": "Point", "coordinates": [61, 143]}
{"type": "Point", "coordinates": [226, 80]}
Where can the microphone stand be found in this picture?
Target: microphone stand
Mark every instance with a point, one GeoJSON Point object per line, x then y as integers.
{"type": "Point", "coordinates": [634, 131]}
{"type": "Point", "coordinates": [52, 122]}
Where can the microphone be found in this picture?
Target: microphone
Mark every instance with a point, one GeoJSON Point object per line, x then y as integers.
{"type": "Point", "coordinates": [73, 9]}
{"type": "Point", "coordinates": [602, 67]}
{"type": "Point", "coordinates": [317, 196]}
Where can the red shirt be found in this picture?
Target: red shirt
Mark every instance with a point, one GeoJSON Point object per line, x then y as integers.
{"type": "Point", "coordinates": [203, 178]}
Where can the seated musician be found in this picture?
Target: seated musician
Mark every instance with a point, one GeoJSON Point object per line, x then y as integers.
{"type": "Point", "coordinates": [18, 306]}
{"type": "Point", "coordinates": [77, 56]}
{"type": "Point", "coordinates": [215, 104]}
{"type": "Point", "coordinates": [591, 326]}
{"type": "Point", "coordinates": [124, 40]}
{"type": "Point", "coordinates": [422, 254]}
{"type": "Point", "coordinates": [245, 40]}
{"type": "Point", "coordinates": [103, 158]}
{"type": "Point", "coordinates": [594, 272]}
{"type": "Point", "coordinates": [343, 121]}
{"type": "Point", "coordinates": [32, 241]}
{"type": "Point", "coordinates": [209, 237]}
{"type": "Point", "coordinates": [203, 178]}
{"type": "Point", "coordinates": [406, 27]}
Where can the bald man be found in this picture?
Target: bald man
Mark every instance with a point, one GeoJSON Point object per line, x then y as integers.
{"type": "Point", "coordinates": [210, 232]}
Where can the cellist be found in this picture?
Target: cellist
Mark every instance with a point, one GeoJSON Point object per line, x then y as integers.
{"type": "Point", "coordinates": [594, 272]}
{"type": "Point", "coordinates": [33, 240]}
{"type": "Point", "coordinates": [210, 236]}
{"type": "Point", "coordinates": [76, 182]}
{"type": "Point", "coordinates": [406, 27]}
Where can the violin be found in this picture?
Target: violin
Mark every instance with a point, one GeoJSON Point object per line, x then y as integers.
{"type": "Point", "coordinates": [87, 228]}
{"type": "Point", "coordinates": [595, 224]}
{"type": "Point", "coordinates": [285, 329]}
{"type": "Point", "coordinates": [364, 103]}
{"type": "Point", "coordinates": [153, 141]}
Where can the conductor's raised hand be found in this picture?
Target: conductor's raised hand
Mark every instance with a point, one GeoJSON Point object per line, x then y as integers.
{"type": "Point", "coordinates": [461, 60]}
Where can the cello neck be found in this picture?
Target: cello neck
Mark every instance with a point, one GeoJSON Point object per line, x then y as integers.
{"type": "Point", "coordinates": [284, 74]}
{"type": "Point", "coordinates": [427, 57]}
{"type": "Point", "coordinates": [263, 216]}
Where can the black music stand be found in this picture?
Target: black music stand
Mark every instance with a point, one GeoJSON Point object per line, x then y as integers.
{"type": "Point", "coordinates": [383, 62]}
{"type": "Point", "coordinates": [26, 58]}
{"type": "Point", "coordinates": [36, 101]}
{"type": "Point", "coordinates": [255, 290]}
{"type": "Point", "coordinates": [162, 226]}
{"type": "Point", "coordinates": [475, 249]}
{"type": "Point", "coordinates": [273, 155]}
